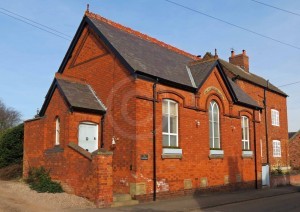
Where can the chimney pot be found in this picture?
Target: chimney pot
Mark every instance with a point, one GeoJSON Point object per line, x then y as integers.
{"type": "Point", "coordinates": [241, 60]}
{"type": "Point", "coordinates": [232, 53]}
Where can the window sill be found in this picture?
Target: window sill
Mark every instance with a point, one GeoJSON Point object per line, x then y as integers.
{"type": "Point", "coordinates": [247, 154]}
{"type": "Point", "coordinates": [171, 156]}
{"type": "Point", "coordinates": [172, 153]}
{"type": "Point", "coordinates": [215, 154]}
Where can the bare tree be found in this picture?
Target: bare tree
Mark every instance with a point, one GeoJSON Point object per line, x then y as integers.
{"type": "Point", "coordinates": [9, 117]}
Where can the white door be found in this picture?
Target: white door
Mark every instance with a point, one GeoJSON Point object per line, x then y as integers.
{"type": "Point", "coordinates": [88, 136]}
{"type": "Point", "coordinates": [265, 175]}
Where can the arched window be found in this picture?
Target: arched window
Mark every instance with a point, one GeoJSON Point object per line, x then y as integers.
{"type": "Point", "coordinates": [170, 123]}
{"type": "Point", "coordinates": [57, 131]}
{"type": "Point", "coordinates": [245, 133]}
{"type": "Point", "coordinates": [214, 126]}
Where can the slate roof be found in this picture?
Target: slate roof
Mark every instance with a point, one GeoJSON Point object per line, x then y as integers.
{"type": "Point", "coordinates": [146, 56]}
{"type": "Point", "coordinates": [202, 69]}
{"type": "Point", "coordinates": [249, 76]}
{"type": "Point", "coordinates": [149, 57]}
{"type": "Point", "coordinates": [241, 96]}
{"type": "Point", "coordinates": [291, 134]}
{"type": "Point", "coordinates": [78, 96]}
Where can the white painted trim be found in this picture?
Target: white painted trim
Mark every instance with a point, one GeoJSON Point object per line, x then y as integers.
{"type": "Point", "coordinates": [247, 153]}
{"type": "Point", "coordinates": [191, 76]}
{"type": "Point", "coordinates": [216, 152]}
{"type": "Point", "coordinates": [171, 151]}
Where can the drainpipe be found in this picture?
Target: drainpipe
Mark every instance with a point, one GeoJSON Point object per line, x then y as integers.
{"type": "Point", "coordinates": [266, 122]}
{"type": "Point", "coordinates": [102, 130]}
{"type": "Point", "coordinates": [255, 158]}
{"type": "Point", "coordinates": [154, 139]}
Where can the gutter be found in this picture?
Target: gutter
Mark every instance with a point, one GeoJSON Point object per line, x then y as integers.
{"type": "Point", "coordinates": [266, 121]}
{"type": "Point", "coordinates": [154, 139]}
{"type": "Point", "coordinates": [102, 131]}
{"type": "Point", "coordinates": [255, 150]}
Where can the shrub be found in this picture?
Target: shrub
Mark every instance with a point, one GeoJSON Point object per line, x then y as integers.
{"type": "Point", "coordinates": [40, 181]}
{"type": "Point", "coordinates": [11, 172]}
{"type": "Point", "coordinates": [11, 146]}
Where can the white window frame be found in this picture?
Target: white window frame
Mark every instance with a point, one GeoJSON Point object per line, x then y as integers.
{"type": "Point", "coordinates": [97, 136]}
{"type": "Point", "coordinates": [168, 101]}
{"type": "Point", "coordinates": [245, 133]}
{"type": "Point", "coordinates": [211, 125]}
{"type": "Point", "coordinates": [57, 131]}
{"type": "Point", "coordinates": [275, 117]}
{"type": "Point", "coordinates": [276, 149]}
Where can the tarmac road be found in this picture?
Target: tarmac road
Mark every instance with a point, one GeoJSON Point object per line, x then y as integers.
{"type": "Point", "coordinates": [286, 203]}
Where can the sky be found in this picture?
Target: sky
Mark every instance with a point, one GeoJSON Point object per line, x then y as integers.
{"type": "Point", "coordinates": [29, 57]}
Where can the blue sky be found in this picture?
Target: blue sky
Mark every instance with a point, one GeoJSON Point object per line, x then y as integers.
{"type": "Point", "coordinates": [30, 57]}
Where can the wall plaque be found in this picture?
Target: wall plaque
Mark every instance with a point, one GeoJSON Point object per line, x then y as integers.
{"type": "Point", "coordinates": [144, 157]}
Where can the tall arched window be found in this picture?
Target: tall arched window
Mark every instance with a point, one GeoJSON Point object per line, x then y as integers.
{"type": "Point", "coordinates": [214, 126]}
{"type": "Point", "coordinates": [57, 131]}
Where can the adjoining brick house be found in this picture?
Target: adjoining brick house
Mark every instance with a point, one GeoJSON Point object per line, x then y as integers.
{"type": "Point", "coordinates": [294, 149]}
{"type": "Point", "coordinates": [127, 113]}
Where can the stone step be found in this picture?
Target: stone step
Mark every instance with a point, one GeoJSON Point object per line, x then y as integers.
{"type": "Point", "coordinates": [125, 203]}
{"type": "Point", "coordinates": [121, 197]}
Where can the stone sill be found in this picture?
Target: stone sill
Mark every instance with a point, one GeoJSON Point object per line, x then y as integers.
{"type": "Point", "coordinates": [172, 151]}
{"type": "Point", "coordinates": [171, 156]}
{"type": "Point", "coordinates": [247, 154]}
{"type": "Point", "coordinates": [216, 154]}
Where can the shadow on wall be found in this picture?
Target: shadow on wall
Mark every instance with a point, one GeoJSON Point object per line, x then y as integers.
{"type": "Point", "coordinates": [234, 174]}
{"type": "Point", "coordinates": [232, 181]}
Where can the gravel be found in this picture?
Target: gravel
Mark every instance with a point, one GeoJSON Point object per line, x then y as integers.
{"type": "Point", "coordinates": [17, 196]}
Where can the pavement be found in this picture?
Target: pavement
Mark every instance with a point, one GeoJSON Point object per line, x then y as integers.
{"type": "Point", "coordinates": [206, 201]}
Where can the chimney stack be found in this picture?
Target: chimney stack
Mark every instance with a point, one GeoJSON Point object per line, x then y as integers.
{"type": "Point", "coordinates": [241, 60]}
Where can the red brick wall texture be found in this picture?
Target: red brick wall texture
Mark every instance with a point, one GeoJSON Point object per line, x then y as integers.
{"type": "Point", "coordinates": [294, 150]}
{"type": "Point", "coordinates": [129, 120]}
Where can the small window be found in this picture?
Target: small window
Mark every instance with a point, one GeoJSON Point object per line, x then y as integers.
{"type": "Point", "coordinates": [276, 148]}
{"type": "Point", "coordinates": [214, 126]}
{"type": "Point", "coordinates": [57, 131]}
{"type": "Point", "coordinates": [245, 133]}
{"type": "Point", "coordinates": [170, 123]}
{"type": "Point", "coordinates": [275, 117]}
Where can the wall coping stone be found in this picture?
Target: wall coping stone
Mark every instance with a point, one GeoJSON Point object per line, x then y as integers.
{"type": "Point", "coordinates": [80, 150]}
{"type": "Point", "coordinates": [102, 151]}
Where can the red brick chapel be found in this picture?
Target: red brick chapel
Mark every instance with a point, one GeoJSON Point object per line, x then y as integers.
{"type": "Point", "coordinates": [128, 114]}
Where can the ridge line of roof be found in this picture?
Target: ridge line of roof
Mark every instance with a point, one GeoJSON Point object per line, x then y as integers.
{"type": "Point", "coordinates": [191, 76]}
{"type": "Point", "coordinates": [196, 62]}
{"type": "Point", "coordinates": [94, 93]}
{"type": "Point", "coordinates": [140, 35]}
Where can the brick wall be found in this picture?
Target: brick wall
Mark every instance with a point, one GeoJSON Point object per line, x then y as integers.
{"type": "Point", "coordinates": [274, 101]}
{"type": "Point", "coordinates": [90, 177]}
{"type": "Point", "coordinates": [194, 167]}
{"type": "Point", "coordinates": [294, 150]}
{"type": "Point", "coordinates": [93, 62]}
